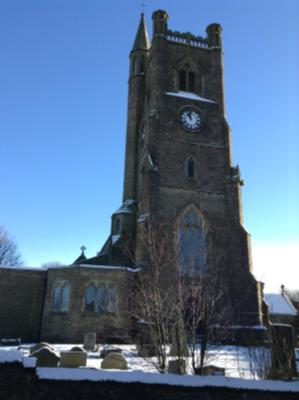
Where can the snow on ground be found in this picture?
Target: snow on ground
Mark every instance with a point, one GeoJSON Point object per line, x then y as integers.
{"type": "Point", "coordinates": [243, 366]}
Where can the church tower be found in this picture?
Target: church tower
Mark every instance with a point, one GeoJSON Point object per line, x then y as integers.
{"type": "Point", "coordinates": [178, 164]}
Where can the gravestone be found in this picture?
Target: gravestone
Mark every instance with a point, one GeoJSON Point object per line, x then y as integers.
{"type": "Point", "coordinates": [114, 361]}
{"type": "Point", "coordinates": [177, 366]}
{"type": "Point", "coordinates": [210, 370]}
{"type": "Point", "coordinates": [89, 341]}
{"type": "Point", "coordinates": [10, 342]}
{"type": "Point", "coordinates": [39, 346]}
{"type": "Point", "coordinates": [77, 348]}
{"type": "Point", "coordinates": [283, 351]}
{"type": "Point", "coordinates": [106, 350]}
{"type": "Point", "coordinates": [45, 357]}
{"type": "Point", "coordinates": [72, 359]}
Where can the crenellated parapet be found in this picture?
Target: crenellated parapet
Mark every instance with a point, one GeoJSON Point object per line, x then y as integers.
{"type": "Point", "coordinates": [187, 38]}
{"type": "Point", "coordinates": [160, 28]}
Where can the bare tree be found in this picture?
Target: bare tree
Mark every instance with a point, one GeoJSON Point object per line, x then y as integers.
{"type": "Point", "coordinates": [9, 255]}
{"type": "Point", "coordinates": [155, 290]}
{"type": "Point", "coordinates": [206, 313]}
{"type": "Point", "coordinates": [178, 304]}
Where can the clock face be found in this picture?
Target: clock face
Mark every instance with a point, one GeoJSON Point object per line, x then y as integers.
{"type": "Point", "coordinates": [190, 119]}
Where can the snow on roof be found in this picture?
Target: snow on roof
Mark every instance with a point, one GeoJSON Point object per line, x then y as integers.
{"type": "Point", "coordinates": [115, 267]}
{"type": "Point", "coordinates": [279, 304]}
{"type": "Point", "coordinates": [127, 207]}
{"type": "Point", "coordinates": [115, 238]}
{"type": "Point", "coordinates": [189, 95]}
{"type": "Point", "coordinates": [41, 269]}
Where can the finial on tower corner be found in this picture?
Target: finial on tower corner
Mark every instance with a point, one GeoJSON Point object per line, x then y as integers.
{"type": "Point", "coordinates": [214, 35]}
{"type": "Point", "coordinates": [159, 18]}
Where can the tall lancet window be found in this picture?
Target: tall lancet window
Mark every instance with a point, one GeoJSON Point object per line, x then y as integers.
{"type": "Point", "coordinates": [191, 235]}
{"type": "Point", "coordinates": [190, 168]}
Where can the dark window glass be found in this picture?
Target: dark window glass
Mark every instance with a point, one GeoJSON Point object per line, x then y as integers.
{"type": "Point", "coordinates": [191, 82]}
{"type": "Point", "coordinates": [182, 79]}
{"type": "Point", "coordinates": [190, 168]}
{"type": "Point", "coordinates": [117, 226]}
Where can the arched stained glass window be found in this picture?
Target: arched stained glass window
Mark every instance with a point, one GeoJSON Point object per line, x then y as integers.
{"type": "Point", "coordinates": [56, 298]}
{"type": "Point", "coordinates": [112, 293]}
{"type": "Point", "coordinates": [101, 299]}
{"type": "Point", "coordinates": [65, 297]}
{"type": "Point", "coordinates": [61, 297]}
{"type": "Point", "coordinates": [191, 241]}
{"type": "Point", "coordinates": [90, 298]}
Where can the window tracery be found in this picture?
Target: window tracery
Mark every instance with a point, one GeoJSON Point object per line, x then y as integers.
{"type": "Point", "coordinates": [61, 297]}
{"type": "Point", "coordinates": [101, 298]}
{"type": "Point", "coordinates": [191, 234]}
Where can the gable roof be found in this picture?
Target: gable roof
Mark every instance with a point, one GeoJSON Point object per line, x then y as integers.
{"type": "Point", "coordinates": [279, 304]}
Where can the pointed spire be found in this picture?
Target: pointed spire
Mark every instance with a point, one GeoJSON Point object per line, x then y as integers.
{"type": "Point", "coordinates": [141, 38]}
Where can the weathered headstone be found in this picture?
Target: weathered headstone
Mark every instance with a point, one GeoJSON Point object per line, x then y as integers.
{"type": "Point", "coordinates": [146, 350]}
{"type": "Point", "coordinates": [106, 350]}
{"type": "Point", "coordinates": [72, 359]}
{"type": "Point", "coordinates": [45, 357]}
{"type": "Point", "coordinates": [39, 346]}
{"type": "Point", "coordinates": [77, 348]}
{"type": "Point", "coordinates": [283, 351]}
{"type": "Point", "coordinates": [89, 342]}
{"type": "Point", "coordinates": [114, 361]}
{"type": "Point", "coordinates": [210, 370]}
{"type": "Point", "coordinates": [10, 342]}
{"type": "Point", "coordinates": [177, 366]}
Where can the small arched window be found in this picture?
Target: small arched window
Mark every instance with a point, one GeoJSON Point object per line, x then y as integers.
{"type": "Point", "coordinates": [101, 299]}
{"type": "Point", "coordinates": [112, 294]}
{"type": "Point", "coordinates": [141, 69]}
{"type": "Point", "coordinates": [90, 298]}
{"type": "Point", "coordinates": [190, 168]}
{"type": "Point", "coordinates": [56, 298]}
{"type": "Point", "coordinates": [61, 297]}
{"type": "Point", "coordinates": [182, 80]}
{"type": "Point", "coordinates": [117, 226]}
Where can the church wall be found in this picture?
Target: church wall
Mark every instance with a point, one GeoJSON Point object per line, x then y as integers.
{"type": "Point", "coordinates": [71, 326]}
{"type": "Point", "coordinates": [21, 293]}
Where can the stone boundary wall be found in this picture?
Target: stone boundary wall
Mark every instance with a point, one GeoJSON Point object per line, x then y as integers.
{"type": "Point", "coordinates": [22, 297]}
{"type": "Point", "coordinates": [23, 384]}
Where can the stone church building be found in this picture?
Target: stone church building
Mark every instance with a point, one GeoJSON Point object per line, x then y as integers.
{"type": "Point", "coordinates": [178, 168]}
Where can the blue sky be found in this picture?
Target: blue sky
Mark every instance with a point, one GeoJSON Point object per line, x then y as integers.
{"type": "Point", "coordinates": [63, 103]}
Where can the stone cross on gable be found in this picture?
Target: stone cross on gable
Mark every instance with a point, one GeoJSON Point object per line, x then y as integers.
{"type": "Point", "coordinates": [82, 248]}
